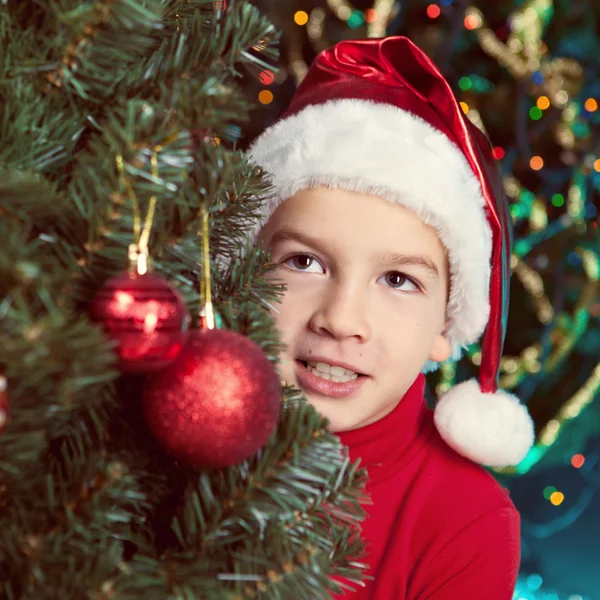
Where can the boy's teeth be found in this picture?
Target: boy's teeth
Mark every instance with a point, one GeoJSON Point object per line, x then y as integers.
{"type": "Point", "coordinates": [331, 372]}
{"type": "Point", "coordinates": [331, 369]}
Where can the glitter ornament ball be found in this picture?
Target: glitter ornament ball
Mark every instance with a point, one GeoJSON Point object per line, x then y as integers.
{"type": "Point", "coordinates": [218, 403]}
{"type": "Point", "coordinates": [146, 316]}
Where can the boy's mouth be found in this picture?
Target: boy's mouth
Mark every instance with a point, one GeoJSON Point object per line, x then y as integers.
{"type": "Point", "coordinates": [312, 377]}
{"type": "Point", "coordinates": [330, 372]}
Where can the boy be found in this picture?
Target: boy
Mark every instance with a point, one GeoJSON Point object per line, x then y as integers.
{"type": "Point", "coordinates": [390, 229]}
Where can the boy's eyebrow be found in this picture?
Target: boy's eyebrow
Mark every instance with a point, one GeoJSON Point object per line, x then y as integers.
{"type": "Point", "coordinates": [384, 258]}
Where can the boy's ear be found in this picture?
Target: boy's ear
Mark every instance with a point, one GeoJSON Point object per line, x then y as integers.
{"type": "Point", "coordinates": [441, 349]}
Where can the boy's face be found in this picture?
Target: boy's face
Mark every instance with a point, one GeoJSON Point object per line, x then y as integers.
{"type": "Point", "coordinates": [349, 302]}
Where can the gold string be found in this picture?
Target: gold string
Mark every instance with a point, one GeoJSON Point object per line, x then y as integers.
{"type": "Point", "coordinates": [138, 251]}
{"type": "Point", "coordinates": [207, 315]}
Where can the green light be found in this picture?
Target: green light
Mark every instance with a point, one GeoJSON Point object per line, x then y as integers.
{"type": "Point", "coordinates": [548, 491]}
{"type": "Point", "coordinates": [516, 210]}
{"type": "Point", "coordinates": [533, 456]}
{"type": "Point", "coordinates": [527, 197]}
{"type": "Point", "coordinates": [522, 247]}
{"type": "Point", "coordinates": [535, 113]}
{"type": "Point", "coordinates": [465, 83]}
{"type": "Point", "coordinates": [356, 19]}
{"type": "Point", "coordinates": [581, 129]}
{"type": "Point", "coordinates": [558, 200]}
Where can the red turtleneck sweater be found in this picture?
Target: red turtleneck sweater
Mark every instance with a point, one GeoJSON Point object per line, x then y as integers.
{"type": "Point", "coordinates": [440, 526]}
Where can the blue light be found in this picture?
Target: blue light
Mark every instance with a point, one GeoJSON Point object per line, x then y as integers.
{"type": "Point", "coordinates": [590, 211]}
{"type": "Point", "coordinates": [534, 582]}
{"type": "Point", "coordinates": [573, 259]}
{"type": "Point", "coordinates": [537, 78]}
{"type": "Point", "coordinates": [445, 2]}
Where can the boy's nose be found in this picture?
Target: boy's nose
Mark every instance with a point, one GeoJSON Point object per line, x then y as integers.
{"type": "Point", "coordinates": [342, 314]}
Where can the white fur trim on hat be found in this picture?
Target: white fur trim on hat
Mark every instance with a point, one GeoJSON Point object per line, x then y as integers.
{"type": "Point", "coordinates": [381, 150]}
{"type": "Point", "coordinates": [491, 429]}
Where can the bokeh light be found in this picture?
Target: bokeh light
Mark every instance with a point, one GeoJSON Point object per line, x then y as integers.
{"type": "Point", "coordinates": [266, 77]}
{"type": "Point", "coordinates": [370, 15]}
{"type": "Point", "coordinates": [498, 153]}
{"type": "Point", "coordinates": [577, 460]}
{"type": "Point", "coordinates": [536, 163]}
{"type": "Point", "coordinates": [535, 113]}
{"type": "Point", "coordinates": [465, 107]}
{"type": "Point", "coordinates": [543, 102]}
{"type": "Point", "coordinates": [557, 498]}
{"type": "Point", "coordinates": [472, 22]}
{"type": "Point", "coordinates": [591, 105]}
{"type": "Point", "coordinates": [300, 17]}
{"type": "Point", "coordinates": [433, 11]}
{"type": "Point", "coordinates": [265, 96]}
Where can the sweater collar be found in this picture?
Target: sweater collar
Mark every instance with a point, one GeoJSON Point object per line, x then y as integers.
{"type": "Point", "coordinates": [387, 445]}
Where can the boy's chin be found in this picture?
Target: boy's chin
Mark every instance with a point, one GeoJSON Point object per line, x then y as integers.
{"type": "Point", "coordinates": [340, 417]}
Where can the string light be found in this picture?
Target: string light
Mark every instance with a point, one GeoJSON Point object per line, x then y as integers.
{"type": "Point", "coordinates": [473, 21]}
{"type": "Point", "coordinates": [370, 15]}
{"type": "Point", "coordinates": [377, 17]}
{"type": "Point", "coordinates": [543, 102]}
{"type": "Point", "coordinates": [577, 461]}
{"type": "Point", "coordinates": [465, 83]}
{"type": "Point", "coordinates": [433, 11]}
{"type": "Point", "coordinates": [265, 96]}
{"type": "Point", "coordinates": [535, 113]}
{"type": "Point", "coordinates": [301, 17]}
{"type": "Point", "coordinates": [266, 77]}
{"type": "Point", "coordinates": [498, 153]}
{"type": "Point", "coordinates": [536, 163]}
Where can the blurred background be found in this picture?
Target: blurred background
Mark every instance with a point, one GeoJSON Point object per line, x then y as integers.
{"type": "Point", "coordinates": [527, 74]}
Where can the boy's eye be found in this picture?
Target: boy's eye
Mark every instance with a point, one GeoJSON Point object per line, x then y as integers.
{"type": "Point", "coordinates": [396, 280]}
{"type": "Point", "coordinates": [302, 262]}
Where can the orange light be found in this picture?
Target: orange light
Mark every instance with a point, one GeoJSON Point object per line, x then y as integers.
{"type": "Point", "coordinates": [301, 17]}
{"type": "Point", "coordinates": [536, 163]}
{"type": "Point", "coordinates": [543, 102]}
{"type": "Point", "coordinates": [465, 107]}
{"type": "Point", "coordinates": [370, 15]}
{"type": "Point", "coordinates": [578, 460]}
{"type": "Point", "coordinates": [265, 97]}
{"type": "Point", "coordinates": [472, 22]}
{"type": "Point", "coordinates": [557, 498]}
{"type": "Point", "coordinates": [591, 105]}
{"type": "Point", "coordinates": [433, 11]}
{"type": "Point", "coordinates": [597, 165]}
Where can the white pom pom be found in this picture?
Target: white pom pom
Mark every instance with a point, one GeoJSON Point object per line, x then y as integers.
{"type": "Point", "coordinates": [491, 429]}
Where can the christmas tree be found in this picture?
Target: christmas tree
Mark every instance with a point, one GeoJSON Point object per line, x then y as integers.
{"type": "Point", "coordinates": [526, 73]}
{"type": "Point", "coordinates": [147, 446]}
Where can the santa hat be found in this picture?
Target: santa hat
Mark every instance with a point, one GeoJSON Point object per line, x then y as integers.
{"type": "Point", "coordinates": [376, 116]}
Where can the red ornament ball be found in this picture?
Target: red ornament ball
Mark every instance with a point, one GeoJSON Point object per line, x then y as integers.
{"type": "Point", "coordinates": [146, 316]}
{"type": "Point", "coordinates": [218, 403]}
